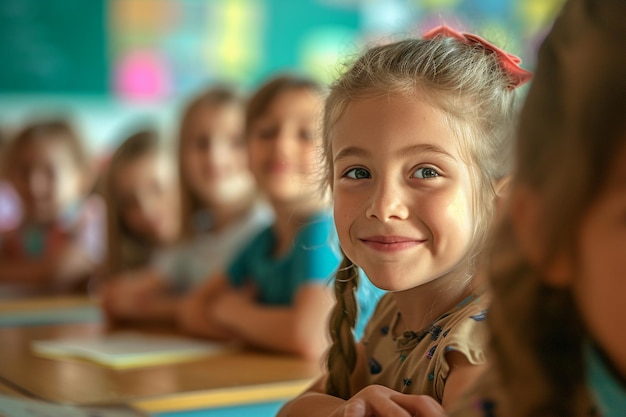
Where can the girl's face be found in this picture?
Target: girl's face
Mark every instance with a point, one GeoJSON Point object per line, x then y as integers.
{"type": "Point", "coordinates": [600, 283]}
{"type": "Point", "coordinates": [47, 178]}
{"type": "Point", "coordinates": [147, 194]}
{"type": "Point", "coordinates": [284, 146]}
{"type": "Point", "coordinates": [402, 192]}
{"type": "Point", "coordinates": [215, 156]}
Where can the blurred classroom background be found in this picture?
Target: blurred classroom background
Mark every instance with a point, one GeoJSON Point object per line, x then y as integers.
{"type": "Point", "coordinates": [111, 63]}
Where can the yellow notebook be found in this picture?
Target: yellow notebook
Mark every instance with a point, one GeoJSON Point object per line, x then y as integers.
{"type": "Point", "coordinates": [129, 349]}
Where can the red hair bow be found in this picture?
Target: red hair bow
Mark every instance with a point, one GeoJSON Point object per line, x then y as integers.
{"type": "Point", "coordinates": [508, 62]}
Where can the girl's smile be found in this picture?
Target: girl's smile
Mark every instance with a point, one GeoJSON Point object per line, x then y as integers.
{"type": "Point", "coordinates": [382, 243]}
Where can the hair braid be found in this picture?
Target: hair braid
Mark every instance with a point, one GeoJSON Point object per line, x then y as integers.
{"type": "Point", "coordinates": [342, 354]}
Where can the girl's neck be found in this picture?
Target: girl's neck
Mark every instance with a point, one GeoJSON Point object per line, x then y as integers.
{"type": "Point", "coordinates": [422, 305]}
{"type": "Point", "coordinates": [289, 218]}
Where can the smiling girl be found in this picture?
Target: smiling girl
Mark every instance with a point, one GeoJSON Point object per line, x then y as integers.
{"type": "Point", "coordinates": [417, 135]}
{"type": "Point", "coordinates": [272, 295]}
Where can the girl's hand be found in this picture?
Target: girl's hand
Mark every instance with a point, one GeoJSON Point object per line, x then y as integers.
{"type": "Point", "coordinates": [192, 315]}
{"type": "Point", "coordinates": [195, 315]}
{"type": "Point", "coordinates": [126, 296]}
{"type": "Point", "coordinates": [231, 304]}
{"type": "Point", "coordinates": [380, 401]}
{"type": "Point", "coordinates": [70, 264]}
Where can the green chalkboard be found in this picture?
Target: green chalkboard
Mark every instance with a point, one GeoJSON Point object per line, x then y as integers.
{"type": "Point", "coordinates": [53, 46]}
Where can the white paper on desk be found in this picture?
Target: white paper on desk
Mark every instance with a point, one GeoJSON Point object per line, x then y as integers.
{"type": "Point", "coordinates": [129, 349]}
{"type": "Point", "coordinates": [20, 407]}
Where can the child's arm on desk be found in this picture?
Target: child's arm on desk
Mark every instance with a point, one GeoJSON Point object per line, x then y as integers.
{"type": "Point", "coordinates": [139, 295]}
{"type": "Point", "coordinates": [193, 314]}
{"type": "Point", "coordinates": [299, 329]}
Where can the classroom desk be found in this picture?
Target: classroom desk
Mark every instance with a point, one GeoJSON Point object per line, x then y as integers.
{"type": "Point", "coordinates": [7, 390]}
{"type": "Point", "coordinates": [234, 378]}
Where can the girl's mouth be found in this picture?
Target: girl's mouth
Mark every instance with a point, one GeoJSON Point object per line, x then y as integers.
{"type": "Point", "coordinates": [391, 243]}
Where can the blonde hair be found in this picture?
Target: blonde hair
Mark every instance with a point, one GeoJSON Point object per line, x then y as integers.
{"type": "Point", "coordinates": [571, 128]}
{"type": "Point", "coordinates": [467, 83]}
{"type": "Point", "coordinates": [124, 249]}
{"type": "Point", "coordinates": [210, 99]}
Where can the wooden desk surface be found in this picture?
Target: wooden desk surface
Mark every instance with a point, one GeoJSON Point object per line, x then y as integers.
{"type": "Point", "coordinates": [7, 390]}
{"type": "Point", "coordinates": [232, 378]}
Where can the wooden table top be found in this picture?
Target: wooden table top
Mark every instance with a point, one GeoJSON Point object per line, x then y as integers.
{"type": "Point", "coordinates": [232, 378]}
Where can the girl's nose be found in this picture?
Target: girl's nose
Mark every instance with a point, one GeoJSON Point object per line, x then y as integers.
{"type": "Point", "coordinates": [217, 154]}
{"type": "Point", "coordinates": [387, 202]}
{"type": "Point", "coordinates": [285, 143]}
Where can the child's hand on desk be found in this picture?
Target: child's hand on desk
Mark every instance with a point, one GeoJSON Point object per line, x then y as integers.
{"type": "Point", "coordinates": [126, 295]}
{"type": "Point", "coordinates": [194, 317]}
{"type": "Point", "coordinates": [69, 265]}
{"type": "Point", "coordinates": [380, 401]}
{"type": "Point", "coordinates": [232, 304]}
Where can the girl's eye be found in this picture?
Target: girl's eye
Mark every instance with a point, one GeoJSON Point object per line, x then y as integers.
{"type": "Point", "coordinates": [267, 132]}
{"type": "Point", "coordinates": [306, 135]}
{"type": "Point", "coordinates": [202, 142]}
{"type": "Point", "coordinates": [357, 173]}
{"type": "Point", "coordinates": [425, 172]}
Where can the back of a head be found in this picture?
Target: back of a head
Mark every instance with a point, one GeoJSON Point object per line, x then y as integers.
{"type": "Point", "coordinates": [571, 127]}
{"type": "Point", "coordinates": [575, 112]}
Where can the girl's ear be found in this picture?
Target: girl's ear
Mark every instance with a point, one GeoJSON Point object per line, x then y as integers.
{"type": "Point", "coordinates": [502, 187]}
{"type": "Point", "coordinates": [502, 190]}
{"type": "Point", "coordinates": [526, 213]}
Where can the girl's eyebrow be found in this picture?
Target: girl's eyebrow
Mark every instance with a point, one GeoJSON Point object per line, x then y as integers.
{"type": "Point", "coordinates": [348, 152]}
{"type": "Point", "coordinates": [413, 149]}
{"type": "Point", "coordinates": [427, 148]}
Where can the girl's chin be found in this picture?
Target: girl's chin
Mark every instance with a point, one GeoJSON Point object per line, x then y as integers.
{"type": "Point", "coordinates": [230, 191]}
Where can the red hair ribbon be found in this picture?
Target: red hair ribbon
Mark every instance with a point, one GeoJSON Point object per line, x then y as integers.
{"type": "Point", "coordinates": [508, 62]}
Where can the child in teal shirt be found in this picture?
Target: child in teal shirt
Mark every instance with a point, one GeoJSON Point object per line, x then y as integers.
{"type": "Point", "coordinates": [275, 295]}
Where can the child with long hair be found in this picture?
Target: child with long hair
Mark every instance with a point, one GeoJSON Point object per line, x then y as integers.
{"type": "Point", "coordinates": [274, 294]}
{"type": "Point", "coordinates": [141, 191]}
{"type": "Point", "coordinates": [58, 244]}
{"type": "Point", "coordinates": [559, 258]}
{"type": "Point", "coordinates": [417, 137]}
{"type": "Point", "coordinates": [217, 212]}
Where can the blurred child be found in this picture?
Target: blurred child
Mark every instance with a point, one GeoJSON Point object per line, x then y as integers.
{"type": "Point", "coordinates": [273, 294]}
{"type": "Point", "coordinates": [142, 195]}
{"type": "Point", "coordinates": [9, 201]}
{"type": "Point", "coordinates": [59, 241]}
{"type": "Point", "coordinates": [141, 191]}
{"type": "Point", "coordinates": [219, 210]}
{"type": "Point", "coordinates": [417, 137]}
{"type": "Point", "coordinates": [559, 259]}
